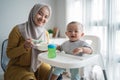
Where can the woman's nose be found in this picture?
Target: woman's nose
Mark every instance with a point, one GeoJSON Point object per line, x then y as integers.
{"type": "Point", "coordinates": [42, 18]}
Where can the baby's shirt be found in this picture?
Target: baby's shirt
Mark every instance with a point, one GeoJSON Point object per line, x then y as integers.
{"type": "Point", "coordinates": [69, 46]}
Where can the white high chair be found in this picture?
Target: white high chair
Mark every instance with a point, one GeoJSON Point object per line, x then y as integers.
{"type": "Point", "coordinates": [70, 61]}
{"type": "Point", "coordinates": [95, 43]}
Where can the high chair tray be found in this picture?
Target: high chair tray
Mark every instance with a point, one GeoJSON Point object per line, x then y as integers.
{"type": "Point", "coordinates": [68, 61]}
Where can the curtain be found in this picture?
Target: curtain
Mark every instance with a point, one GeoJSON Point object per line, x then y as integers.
{"type": "Point", "coordinates": [101, 18]}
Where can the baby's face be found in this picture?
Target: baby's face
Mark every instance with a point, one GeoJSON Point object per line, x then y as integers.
{"type": "Point", "coordinates": [73, 32]}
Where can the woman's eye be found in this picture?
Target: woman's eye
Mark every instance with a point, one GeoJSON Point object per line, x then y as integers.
{"type": "Point", "coordinates": [76, 31]}
{"type": "Point", "coordinates": [40, 13]}
{"type": "Point", "coordinates": [46, 16]}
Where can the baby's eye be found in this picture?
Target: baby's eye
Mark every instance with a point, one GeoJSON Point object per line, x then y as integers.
{"type": "Point", "coordinates": [76, 31]}
{"type": "Point", "coordinates": [69, 31]}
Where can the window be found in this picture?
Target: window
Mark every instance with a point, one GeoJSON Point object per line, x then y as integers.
{"type": "Point", "coordinates": [100, 18]}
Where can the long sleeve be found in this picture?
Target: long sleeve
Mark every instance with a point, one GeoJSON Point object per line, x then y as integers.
{"type": "Point", "coordinates": [15, 44]}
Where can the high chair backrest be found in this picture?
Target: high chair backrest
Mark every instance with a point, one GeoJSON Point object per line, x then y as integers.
{"type": "Point", "coordinates": [94, 42]}
{"type": "Point", "coordinates": [4, 58]}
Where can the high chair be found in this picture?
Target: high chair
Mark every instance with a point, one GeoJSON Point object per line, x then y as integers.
{"type": "Point", "coordinates": [95, 43]}
{"type": "Point", "coordinates": [69, 61]}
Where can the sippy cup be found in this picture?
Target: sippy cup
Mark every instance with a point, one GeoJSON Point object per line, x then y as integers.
{"type": "Point", "coordinates": [51, 51]}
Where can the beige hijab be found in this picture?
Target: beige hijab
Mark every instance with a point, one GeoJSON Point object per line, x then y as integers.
{"type": "Point", "coordinates": [30, 30]}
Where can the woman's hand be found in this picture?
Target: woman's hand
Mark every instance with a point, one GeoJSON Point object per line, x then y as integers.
{"type": "Point", "coordinates": [28, 44]}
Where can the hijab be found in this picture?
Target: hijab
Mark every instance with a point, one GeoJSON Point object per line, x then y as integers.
{"type": "Point", "coordinates": [30, 30]}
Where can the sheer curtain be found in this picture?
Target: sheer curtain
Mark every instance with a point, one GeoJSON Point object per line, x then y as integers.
{"type": "Point", "coordinates": [91, 13]}
{"type": "Point", "coordinates": [101, 18]}
{"type": "Point", "coordinates": [114, 38]}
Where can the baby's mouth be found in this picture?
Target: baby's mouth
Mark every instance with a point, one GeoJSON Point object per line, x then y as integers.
{"type": "Point", "coordinates": [72, 36]}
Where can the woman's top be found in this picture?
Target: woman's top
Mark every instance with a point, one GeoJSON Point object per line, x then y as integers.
{"type": "Point", "coordinates": [18, 55]}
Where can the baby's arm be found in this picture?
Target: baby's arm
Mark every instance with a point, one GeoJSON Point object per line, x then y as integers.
{"type": "Point", "coordinates": [79, 50]}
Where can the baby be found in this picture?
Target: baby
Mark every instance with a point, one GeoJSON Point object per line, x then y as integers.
{"type": "Point", "coordinates": [74, 46]}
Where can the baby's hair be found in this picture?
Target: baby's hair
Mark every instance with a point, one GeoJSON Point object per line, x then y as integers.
{"type": "Point", "coordinates": [77, 23]}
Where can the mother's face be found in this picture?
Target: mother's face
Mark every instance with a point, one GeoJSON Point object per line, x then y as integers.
{"type": "Point", "coordinates": [42, 16]}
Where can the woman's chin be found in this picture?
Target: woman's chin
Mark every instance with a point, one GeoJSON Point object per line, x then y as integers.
{"type": "Point", "coordinates": [39, 24]}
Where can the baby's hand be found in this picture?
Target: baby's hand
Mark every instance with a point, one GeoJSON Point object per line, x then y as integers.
{"type": "Point", "coordinates": [77, 50]}
{"type": "Point", "coordinates": [58, 47]}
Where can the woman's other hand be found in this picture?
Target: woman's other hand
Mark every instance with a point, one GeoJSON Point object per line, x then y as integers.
{"type": "Point", "coordinates": [28, 44]}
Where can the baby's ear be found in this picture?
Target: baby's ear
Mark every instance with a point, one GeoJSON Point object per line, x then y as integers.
{"type": "Point", "coordinates": [82, 34]}
{"type": "Point", "coordinates": [66, 33]}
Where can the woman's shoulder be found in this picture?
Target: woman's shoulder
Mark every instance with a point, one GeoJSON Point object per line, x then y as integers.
{"type": "Point", "coordinates": [15, 28]}
{"type": "Point", "coordinates": [15, 31]}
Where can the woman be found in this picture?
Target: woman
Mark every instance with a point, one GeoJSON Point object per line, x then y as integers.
{"type": "Point", "coordinates": [23, 64]}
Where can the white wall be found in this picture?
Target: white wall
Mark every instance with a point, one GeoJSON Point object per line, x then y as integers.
{"type": "Point", "coordinates": [12, 13]}
{"type": "Point", "coordinates": [61, 16]}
